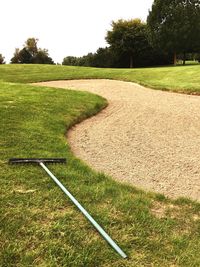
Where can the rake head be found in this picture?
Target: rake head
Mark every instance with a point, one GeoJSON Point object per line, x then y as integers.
{"type": "Point", "coordinates": [36, 160]}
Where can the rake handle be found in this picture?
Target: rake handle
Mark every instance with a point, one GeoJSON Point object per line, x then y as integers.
{"type": "Point", "coordinates": [86, 214]}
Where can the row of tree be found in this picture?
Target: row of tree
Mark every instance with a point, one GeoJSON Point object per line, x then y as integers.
{"type": "Point", "coordinates": [172, 28]}
{"type": "Point", "coordinates": [110, 58]}
{"type": "Point", "coordinates": [129, 47]}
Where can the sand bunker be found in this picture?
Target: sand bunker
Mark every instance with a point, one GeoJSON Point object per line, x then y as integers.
{"type": "Point", "coordinates": [148, 138]}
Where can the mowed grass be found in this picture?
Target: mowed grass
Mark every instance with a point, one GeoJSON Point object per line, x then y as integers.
{"type": "Point", "coordinates": [184, 79]}
{"type": "Point", "coordinates": [39, 226]}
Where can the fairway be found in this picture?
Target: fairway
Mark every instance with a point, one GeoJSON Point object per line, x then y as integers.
{"type": "Point", "coordinates": [39, 226]}
{"type": "Point", "coordinates": [183, 79]}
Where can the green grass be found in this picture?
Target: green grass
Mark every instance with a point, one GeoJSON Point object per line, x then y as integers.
{"type": "Point", "coordinates": [184, 79]}
{"type": "Point", "coordinates": [38, 225]}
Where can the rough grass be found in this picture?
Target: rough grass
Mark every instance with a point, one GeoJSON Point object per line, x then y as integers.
{"type": "Point", "coordinates": [38, 224]}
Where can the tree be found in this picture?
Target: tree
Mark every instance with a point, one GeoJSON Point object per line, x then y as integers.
{"type": "Point", "coordinates": [42, 57]}
{"type": "Point", "coordinates": [104, 58]}
{"type": "Point", "coordinates": [15, 58]}
{"type": "Point", "coordinates": [25, 56]}
{"type": "Point", "coordinates": [128, 37]}
{"type": "Point", "coordinates": [174, 26]}
{"type": "Point", "coordinates": [30, 53]}
{"type": "Point", "coordinates": [31, 46]}
{"type": "Point", "coordinates": [2, 61]}
{"type": "Point", "coordinates": [70, 61]}
{"type": "Point", "coordinates": [21, 56]}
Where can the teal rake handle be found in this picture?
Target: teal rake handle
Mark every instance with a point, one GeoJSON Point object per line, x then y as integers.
{"type": "Point", "coordinates": [86, 214]}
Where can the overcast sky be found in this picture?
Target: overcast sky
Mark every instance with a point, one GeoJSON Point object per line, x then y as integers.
{"type": "Point", "coordinates": [64, 27]}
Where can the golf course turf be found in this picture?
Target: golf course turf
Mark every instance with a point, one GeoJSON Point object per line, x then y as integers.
{"type": "Point", "coordinates": [39, 226]}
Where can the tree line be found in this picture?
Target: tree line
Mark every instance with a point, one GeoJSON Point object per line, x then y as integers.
{"type": "Point", "coordinates": [172, 31]}
{"type": "Point", "coordinates": [129, 47]}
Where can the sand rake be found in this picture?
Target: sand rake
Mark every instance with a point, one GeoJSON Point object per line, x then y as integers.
{"type": "Point", "coordinates": [41, 162]}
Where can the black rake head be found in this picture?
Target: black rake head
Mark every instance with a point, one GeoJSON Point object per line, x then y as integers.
{"type": "Point", "coordinates": [36, 160]}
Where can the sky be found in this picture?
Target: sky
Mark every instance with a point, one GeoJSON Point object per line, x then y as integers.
{"type": "Point", "coordinates": [64, 27]}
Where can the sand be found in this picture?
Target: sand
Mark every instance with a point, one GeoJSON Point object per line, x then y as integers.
{"type": "Point", "coordinates": [147, 138]}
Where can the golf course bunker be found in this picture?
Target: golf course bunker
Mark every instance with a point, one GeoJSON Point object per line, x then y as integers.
{"type": "Point", "coordinates": [145, 137]}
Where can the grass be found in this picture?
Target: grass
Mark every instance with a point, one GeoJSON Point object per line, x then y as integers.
{"type": "Point", "coordinates": [38, 224]}
{"type": "Point", "coordinates": [184, 79]}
